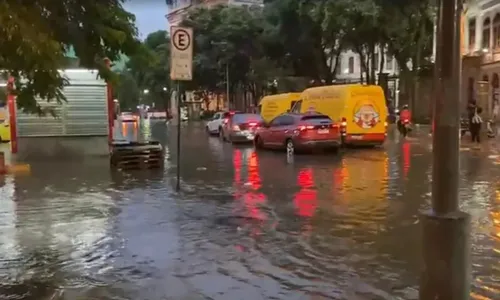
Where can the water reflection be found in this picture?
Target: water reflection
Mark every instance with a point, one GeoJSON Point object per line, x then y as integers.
{"type": "Point", "coordinates": [247, 225]}
{"type": "Point", "coordinates": [305, 199]}
{"type": "Point", "coordinates": [247, 183]}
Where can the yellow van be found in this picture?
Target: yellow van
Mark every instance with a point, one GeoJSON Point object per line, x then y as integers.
{"type": "Point", "coordinates": [4, 125]}
{"type": "Point", "coordinates": [274, 105]}
{"type": "Point", "coordinates": [360, 109]}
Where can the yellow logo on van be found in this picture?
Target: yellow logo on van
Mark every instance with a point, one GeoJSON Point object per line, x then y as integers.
{"type": "Point", "coordinates": [366, 114]}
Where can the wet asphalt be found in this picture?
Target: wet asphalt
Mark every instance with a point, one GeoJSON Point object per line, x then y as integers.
{"type": "Point", "coordinates": [246, 225]}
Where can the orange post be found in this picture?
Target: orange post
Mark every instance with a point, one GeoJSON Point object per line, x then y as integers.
{"type": "Point", "coordinates": [11, 103]}
{"type": "Point", "coordinates": [110, 104]}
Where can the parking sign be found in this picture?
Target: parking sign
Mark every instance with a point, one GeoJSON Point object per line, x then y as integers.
{"type": "Point", "coordinates": [181, 40]}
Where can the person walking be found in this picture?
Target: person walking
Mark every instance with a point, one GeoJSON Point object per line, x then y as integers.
{"type": "Point", "coordinates": [475, 125]}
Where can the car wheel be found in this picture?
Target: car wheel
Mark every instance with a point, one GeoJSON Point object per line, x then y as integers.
{"type": "Point", "coordinates": [290, 147]}
{"type": "Point", "coordinates": [258, 142]}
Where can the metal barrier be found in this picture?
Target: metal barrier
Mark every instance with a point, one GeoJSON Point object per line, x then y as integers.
{"type": "Point", "coordinates": [137, 155]}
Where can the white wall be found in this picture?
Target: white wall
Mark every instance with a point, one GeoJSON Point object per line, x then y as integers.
{"type": "Point", "coordinates": [353, 71]}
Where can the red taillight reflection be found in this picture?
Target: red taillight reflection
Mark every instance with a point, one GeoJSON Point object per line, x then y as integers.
{"type": "Point", "coordinates": [253, 171]}
{"type": "Point", "coordinates": [248, 193]}
{"type": "Point", "coordinates": [237, 166]}
{"type": "Point", "coordinates": [406, 158]}
{"type": "Point", "coordinates": [305, 200]}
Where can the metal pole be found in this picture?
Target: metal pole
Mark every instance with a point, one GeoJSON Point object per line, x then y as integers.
{"type": "Point", "coordinates": [178, 187]}
{"type": "Point", "coordinates": [227, 85]}
{"type": "Point", "coordinates": [446, 230]}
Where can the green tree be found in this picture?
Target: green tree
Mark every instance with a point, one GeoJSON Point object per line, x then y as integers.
{"type": "Point", "coordinates": [227, 37]}
{"type": "Point", "coordinates": [150, 68]}
{"type": "Point", "coordinates": [127, 91]}
{"type": "Point", "coordinates": [35, 35]}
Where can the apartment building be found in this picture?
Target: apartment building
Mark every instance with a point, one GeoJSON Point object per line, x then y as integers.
{"type": "Point", "coordinates": [481, 52]}
{"type": "Point", "coordinates": [177, 9]}
{"type": "Point", "coordinates": [349, 70]}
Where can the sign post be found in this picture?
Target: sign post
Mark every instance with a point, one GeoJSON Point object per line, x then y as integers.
{"type": "Point", "coordinates": [181, 69]}
{"type": "Point", "coordinates": [11, 103]}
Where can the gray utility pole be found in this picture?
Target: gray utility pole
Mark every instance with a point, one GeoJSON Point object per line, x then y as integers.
{"type": "Point", "coordinates": [446, 230]}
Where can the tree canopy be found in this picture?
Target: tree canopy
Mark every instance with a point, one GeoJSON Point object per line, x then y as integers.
{"type": "Point", "coordinates": [290, 43]}
{"type": "Point", "coordinates": [36, 35]}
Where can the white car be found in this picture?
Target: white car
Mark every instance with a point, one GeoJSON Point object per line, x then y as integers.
{"type": "Point", "coordinates": [215, 125]}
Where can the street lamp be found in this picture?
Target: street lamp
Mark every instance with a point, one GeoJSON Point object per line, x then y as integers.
{"type": "Point", "coordinates": [165, 89]}
{"type": "Point", "coordinates": [227, 71]}
{"type": "Point", "coordinates": [146, 91]}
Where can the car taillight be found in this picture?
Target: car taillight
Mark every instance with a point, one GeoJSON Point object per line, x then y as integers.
{"type": "Point", "coordinates": [236, 128]}
{"type": "Point", "coordinates": [343, 126]}
{"type": "Point", "coordinates": [302, 128]}
{"type": "Point", "coordinates": [252, 124]}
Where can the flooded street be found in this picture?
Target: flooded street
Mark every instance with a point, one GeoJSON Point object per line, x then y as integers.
{"type": "Point", "coordinates": [247, 224]}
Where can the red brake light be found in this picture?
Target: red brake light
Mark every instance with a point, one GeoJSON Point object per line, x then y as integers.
{"type": "Point", "coordinates": [302, 128]}
{"type": "Point", "coordinates": [252, 124]}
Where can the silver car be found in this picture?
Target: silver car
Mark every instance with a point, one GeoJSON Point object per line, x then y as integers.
{"type": "Point", "coordinates": [241, 128]}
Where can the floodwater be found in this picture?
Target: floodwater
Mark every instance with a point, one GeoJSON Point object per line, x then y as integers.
{"type": "Point", "coordinates": [246, 225]}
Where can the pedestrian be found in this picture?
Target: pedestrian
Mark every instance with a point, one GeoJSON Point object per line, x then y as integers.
{"type": "Point", "coordinates": [475, 125]}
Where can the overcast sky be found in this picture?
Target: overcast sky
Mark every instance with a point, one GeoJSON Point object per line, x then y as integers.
{"type": "Point", "coordinates": [150, 15]}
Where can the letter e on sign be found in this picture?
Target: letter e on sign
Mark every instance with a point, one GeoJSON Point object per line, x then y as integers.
{"type": "Point", "coordinates": [181, 42]}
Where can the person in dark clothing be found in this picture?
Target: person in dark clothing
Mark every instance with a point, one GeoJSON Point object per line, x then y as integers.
{"type": "Point", "coordinates": [471, 110]}
{"type": "Point", "coordinates": [475, 125]}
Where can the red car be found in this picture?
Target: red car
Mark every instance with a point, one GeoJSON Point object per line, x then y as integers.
{"type": "Point", "coordinates": [299, 132]}
{"type": "Point", "coordinates": [241, 127]}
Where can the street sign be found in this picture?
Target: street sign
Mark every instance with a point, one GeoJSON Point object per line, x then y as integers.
{"type": "Point", "coordinates": [181, 41]}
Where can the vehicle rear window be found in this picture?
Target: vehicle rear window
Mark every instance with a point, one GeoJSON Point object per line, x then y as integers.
{"type": "Point", "coordinates": [317, 119]}
{"type": "Point", "coordinates": [228, 114]}
{"type": "Point", "coordinates": [246, 118]}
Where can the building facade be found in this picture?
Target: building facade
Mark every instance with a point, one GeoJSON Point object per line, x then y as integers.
{"type": "Point", "coordinates": [177, 9]}
{"type": "Point", "coordinates": [350, 70]}
{"type": "Point", "coordinates": [481, 52]}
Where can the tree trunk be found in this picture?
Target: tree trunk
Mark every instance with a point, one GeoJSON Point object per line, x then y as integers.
{"type": "Point", "coordinates": [373, 65]}
{"type": "Point", "coordinates": [362, 65]}
{"type": "Point", "coordinates": [382, 60]}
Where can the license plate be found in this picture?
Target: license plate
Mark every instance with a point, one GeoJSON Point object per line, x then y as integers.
{"type": "Point", "coordinates": [357, 137]}
{"type": "Point", "coordinates": [323, 131]}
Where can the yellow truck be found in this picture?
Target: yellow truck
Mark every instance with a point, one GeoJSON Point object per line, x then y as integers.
{"type": "Point", "coordinates": [360, 109]}
{"type": "Point", "coordinates": [274, 105]}
{"type": "Point", "coordinates": [4, 125]}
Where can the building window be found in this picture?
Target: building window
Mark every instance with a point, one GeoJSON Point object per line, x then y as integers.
{"type": "Point", "coordinates": [496, 32]}
{"type": "Point", "coordinates": [472, 34]}
{"type": "Point", "coordinates": [486, 34]}
{"type": "Point", "coordinates": [388, 62]}
{"type": "Point", "coordinates": [351, 65]}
